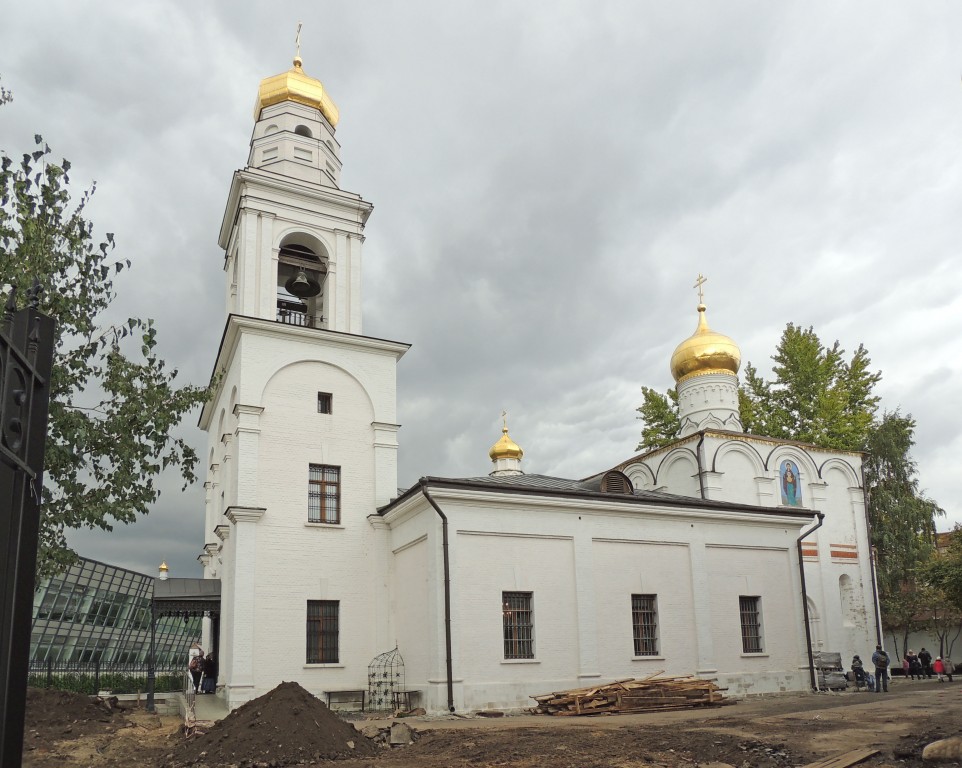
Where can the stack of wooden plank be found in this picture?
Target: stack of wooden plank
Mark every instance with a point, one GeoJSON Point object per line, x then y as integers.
{"type": "Point", "coordinates": [652, 693]}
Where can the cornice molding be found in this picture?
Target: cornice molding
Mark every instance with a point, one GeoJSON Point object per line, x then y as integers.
{"type": "Point", "coordinates": [245, 514]}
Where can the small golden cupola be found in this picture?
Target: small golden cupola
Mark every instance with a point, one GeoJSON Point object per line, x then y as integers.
{"type": "Point", "coordinates": [705, 351]}
{"type": "Point", "coordinates": [295, 85]}
{"type": "Point", "coordinates": [506, 454]}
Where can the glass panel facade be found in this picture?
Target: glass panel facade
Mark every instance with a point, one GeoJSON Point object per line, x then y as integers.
{"type": "Point", "coordinates": [99, 612]}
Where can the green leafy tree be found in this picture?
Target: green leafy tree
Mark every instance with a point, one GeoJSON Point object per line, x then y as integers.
{"type": "Point", "coordinates": [944, 571]}
{"type": "Point", "coordinates": [901, 516]}
{"type": "Point", "coordinates": [659, 413]}
{"type": "Point", "coordinates": [816, 396]}
{"type": "Point", "coordinates": [114, 406]}
{"type": "Point", "coordinates": [942, 575]}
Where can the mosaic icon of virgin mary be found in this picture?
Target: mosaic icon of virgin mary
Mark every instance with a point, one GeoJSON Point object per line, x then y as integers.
{"type": "Point", "coordinates": [791, 484]}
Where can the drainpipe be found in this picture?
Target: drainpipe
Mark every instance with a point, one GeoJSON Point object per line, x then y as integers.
{"type": "Point", "coordinates": [447, 591]}
{"type": "Point", "coordinates": [801, 573]}
{"type": "Point", "coordinates": [701, 476]}
{"type": "Point", "coordinates": [871, 562]}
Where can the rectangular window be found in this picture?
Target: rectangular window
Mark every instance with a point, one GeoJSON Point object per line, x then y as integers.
{"type": "Point", "coordinates": [644, 621]}
{"type": "Point", "coordinates": [325, 402]}
{"type": "Point", "coordinates": [751, 615]}
{"type": "Point", "coordinates": [518, 618]}
{"type": "Point", "coordinates": [322, 630]}
{"type": "Point", "coordinates": [324, 494]}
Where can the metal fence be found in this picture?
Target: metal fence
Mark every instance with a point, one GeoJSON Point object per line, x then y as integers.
{"type": "Point", "coordinates": [92, 677]}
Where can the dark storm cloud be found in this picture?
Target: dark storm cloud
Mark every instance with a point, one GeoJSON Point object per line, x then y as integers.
{"type": "Point", "coordinates": [548, 180]}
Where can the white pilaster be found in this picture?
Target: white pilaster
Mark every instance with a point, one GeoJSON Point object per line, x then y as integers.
{"type": "Point", "coordinates": [701, 599]}
{"type": "Point", "coordinates": [247, 435]}
{"type": "Point", "coordinates": [385, 462]}
{"type": "Point", "coordinates": [240, 676]}
{"type": "Point", "coordinates": [585, 599]}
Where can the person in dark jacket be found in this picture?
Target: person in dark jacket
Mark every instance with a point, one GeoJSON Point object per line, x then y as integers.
{"type": "Point", "coordinates": [925, 659]}
{"type": "Point", "coordinates": [858, 672]}
{"type": "Point", "coordinates": [210, 674]}
{"type": "Point", "coordinates": [881, 661]}
{"type": "Point", "coordinates": [915, 666]}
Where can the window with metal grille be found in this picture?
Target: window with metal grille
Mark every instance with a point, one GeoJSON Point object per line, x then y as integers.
{"type": "Point", "coordinates": [322, 631]}
{"type": "Point", "coordinates": [518, 618]}
{"type": "Point", "coordinates": [751, 615]}
{"type": "Point", "coordinates": [644, 621]}
{"type": "Point", "coordinates": [324, 494]}
{"type": "Point", "coordinates": [325, 402]}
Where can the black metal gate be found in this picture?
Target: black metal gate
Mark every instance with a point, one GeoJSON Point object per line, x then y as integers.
{"type": "Point", "coordinates": [26, 358]}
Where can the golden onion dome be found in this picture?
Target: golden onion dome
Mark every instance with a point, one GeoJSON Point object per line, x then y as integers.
{"type": "Point", "coordinates": [505, 448]}
{"type": "Point", "coordinates": [294, 85]}
{"type": "Point", "coordinates": [163, 566]}
{"type": "Point", "coordinates": [705, 351]}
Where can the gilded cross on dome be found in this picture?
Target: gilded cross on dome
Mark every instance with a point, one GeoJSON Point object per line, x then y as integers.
{"type": "Point", "coordinates": [297, 41]}
{"type": "Point", "coordinates": [698, 284]}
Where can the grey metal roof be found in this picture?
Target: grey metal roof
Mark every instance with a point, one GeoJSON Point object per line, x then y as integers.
{"type": "Point", "coordinates": [186, 589]}
{"type": "Point", "coordinates": [589, 488]}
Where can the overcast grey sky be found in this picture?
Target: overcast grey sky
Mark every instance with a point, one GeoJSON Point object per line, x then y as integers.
{"type": "Point", "coordinates": [548, 179]}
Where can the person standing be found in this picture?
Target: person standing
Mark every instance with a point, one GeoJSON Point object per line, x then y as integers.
{"type": "Point", "coordinates": [949, 667]}
{"type": "Point", "coordinates": [915, 667]}
{"type": "Point", "coordinates": [925, 659]}
{"type": "Point", "coordinates": [881, 661]}
{"type": "Point", "coordinates": [210, 674]}
{"type": "Point", "coordinates": [196, 666]}
{"type": "Point", "coordinates": [939, 667]}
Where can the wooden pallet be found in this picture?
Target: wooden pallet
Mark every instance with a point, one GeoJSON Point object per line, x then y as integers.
{"type": "Point", "coordinates": [844, 760]}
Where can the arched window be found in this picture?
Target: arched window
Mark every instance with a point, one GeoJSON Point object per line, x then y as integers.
{"type": "Point", "coordinates": [303, 130]}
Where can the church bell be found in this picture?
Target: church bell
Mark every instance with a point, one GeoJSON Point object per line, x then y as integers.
{"type": "Point", "coordinates": [303, 285]}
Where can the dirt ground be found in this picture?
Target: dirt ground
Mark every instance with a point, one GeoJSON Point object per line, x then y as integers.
{"type": "Point", "coordinates": [788, 730]}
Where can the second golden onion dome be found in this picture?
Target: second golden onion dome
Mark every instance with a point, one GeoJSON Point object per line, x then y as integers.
{"type": "Point", "coordinates": [705, 351]}
{"type": "Point", "coordinates": [505, 448]}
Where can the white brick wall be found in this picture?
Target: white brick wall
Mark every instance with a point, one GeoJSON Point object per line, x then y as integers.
{"type": "Point", "coordinates": [583, 562]}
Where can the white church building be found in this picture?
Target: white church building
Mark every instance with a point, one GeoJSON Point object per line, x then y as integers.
{"type": "Point", "coordinates": [723, 554]}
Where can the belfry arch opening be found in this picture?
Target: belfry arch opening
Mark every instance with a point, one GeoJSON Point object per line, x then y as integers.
{"type": "Point", "coordinates": [301, 283]}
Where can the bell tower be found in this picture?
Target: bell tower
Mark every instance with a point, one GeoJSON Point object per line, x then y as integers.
{"type": "Point", "coordinates": [302, 424]}
{"type": "Point", "coordinates": [291, 236]}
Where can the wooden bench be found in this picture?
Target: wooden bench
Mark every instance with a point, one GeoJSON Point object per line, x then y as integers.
{"type": "Point", "coordinates": [346, 696]}
{"type": "Point", "coordinates": [405, 701]}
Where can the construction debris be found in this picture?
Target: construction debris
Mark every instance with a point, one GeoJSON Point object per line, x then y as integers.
{"type": "Point", "coordinates": [831, 675]}
{"type": "Point", "coordinates": [652, 693]}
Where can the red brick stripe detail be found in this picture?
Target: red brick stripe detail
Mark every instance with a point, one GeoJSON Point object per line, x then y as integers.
{"type": "Point", "coordinates": [845, 553]}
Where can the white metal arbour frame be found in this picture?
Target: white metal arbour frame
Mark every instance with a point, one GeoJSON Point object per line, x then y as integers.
{"type": "Point", "coordinates": [385, 678]}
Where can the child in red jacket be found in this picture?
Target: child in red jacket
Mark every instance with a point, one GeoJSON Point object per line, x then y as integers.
{"type": "Point", "coordinates": [938, 667]}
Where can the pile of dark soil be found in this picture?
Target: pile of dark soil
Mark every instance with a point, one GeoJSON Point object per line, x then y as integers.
{"type": "Point", "coordinates": [286, 726]}
{"type": "Point", "coordinates": [52, 715]}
